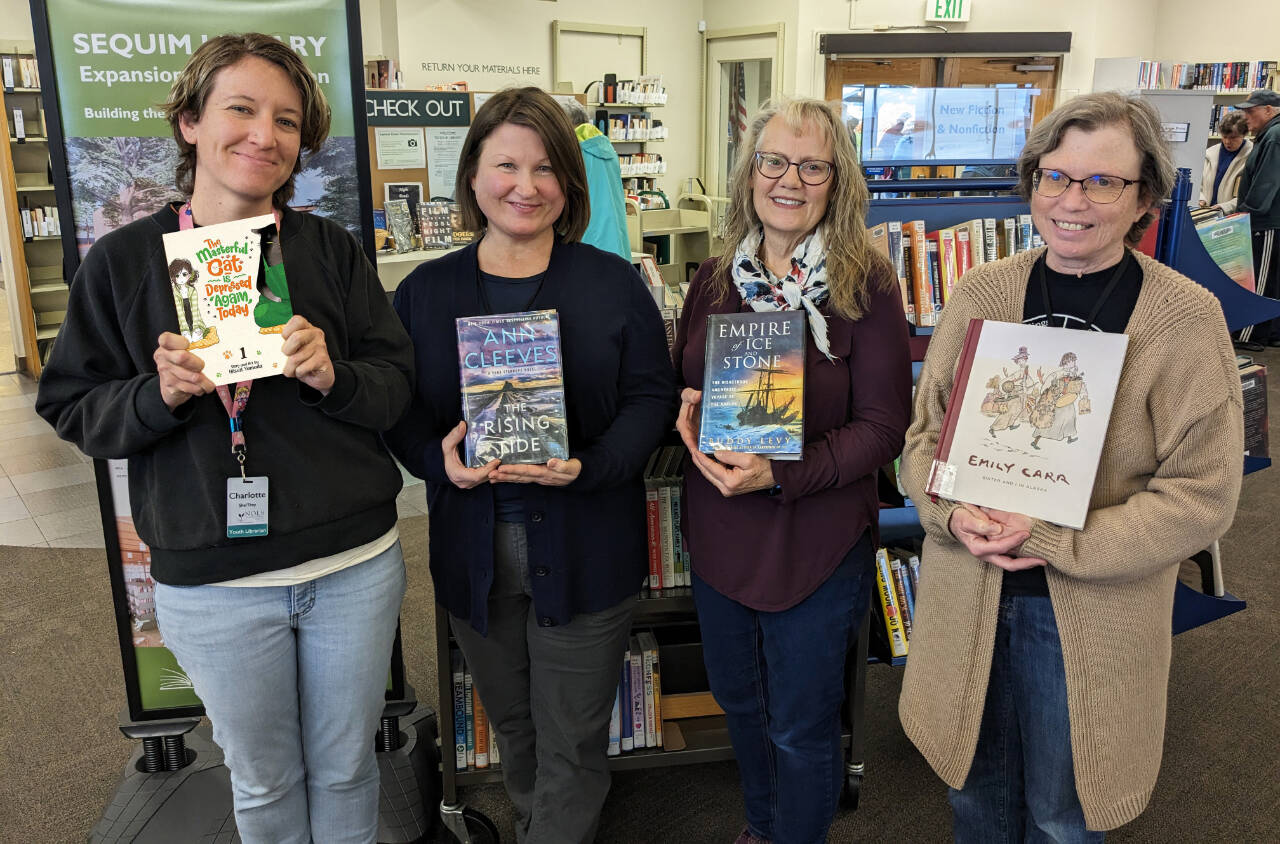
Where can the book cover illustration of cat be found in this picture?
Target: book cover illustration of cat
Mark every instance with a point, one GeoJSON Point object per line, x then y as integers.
{"type": "Point", "coordinates": [512, 388]}
{"type": "Point", "coordinates": [231, 296]}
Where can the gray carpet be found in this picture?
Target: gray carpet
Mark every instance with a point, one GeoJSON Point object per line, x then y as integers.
{"type": "Point", "coordinates": [61, 693]}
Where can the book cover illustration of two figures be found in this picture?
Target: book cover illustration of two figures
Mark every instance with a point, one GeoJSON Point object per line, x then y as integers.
{"type": "Point", "coordinates": [512, 388]}
{"type": "Point", "coordinates": [1047, 404]}
{"type": "Point", "coordinates": [231, 297]}
{"type": "Point", "coordinates": [1027, 438]}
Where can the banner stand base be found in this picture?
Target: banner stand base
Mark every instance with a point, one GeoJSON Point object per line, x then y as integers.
{"type": "Point", "coordinates": [192, 803]}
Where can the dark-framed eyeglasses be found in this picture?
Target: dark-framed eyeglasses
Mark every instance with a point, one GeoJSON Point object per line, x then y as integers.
{"type": "Point", "coordinates": [813, 172]}
{"type": "Point", "coordinates": [1100, 189]}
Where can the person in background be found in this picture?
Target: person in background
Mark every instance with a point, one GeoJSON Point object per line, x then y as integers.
{"type": "Point", "coordinates": [1259, 196]}
{"type": "Point", "coordinates": [1018, 654]}
{"type": "Point", "coordinates": [783, 551]}
{"type": "Point", "coordinates": [286, 637]}
{"type": "Point", "coordinates": [1224, 162]}
{"type": "Point", "coordinates": [539, 566]}
{"type": "Point", "coordinates": [607, 226]}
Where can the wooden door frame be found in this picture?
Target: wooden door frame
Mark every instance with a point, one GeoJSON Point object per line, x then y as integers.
{"type": "Point", "coordinates": [777, 30]}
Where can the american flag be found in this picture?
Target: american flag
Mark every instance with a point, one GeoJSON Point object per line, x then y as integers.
{"type": "Point", "coordinates": [737, 103]}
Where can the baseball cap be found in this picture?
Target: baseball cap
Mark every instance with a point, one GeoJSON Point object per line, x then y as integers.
{"type": "Point", "coordinates": [1261, 97]}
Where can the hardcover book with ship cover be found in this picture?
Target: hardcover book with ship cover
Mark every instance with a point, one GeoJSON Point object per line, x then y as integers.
{"type": "Point", "coordinates": [753, 385]}
{"type": "Point", "coordinates": [1027, 418]}
{"type": "Point", "coordinates": [512, 388]}
{"type": "Point", "coordinates": [231, 297]}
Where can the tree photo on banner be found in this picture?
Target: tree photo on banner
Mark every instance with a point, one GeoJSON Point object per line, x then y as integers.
{"type": "Point", "coordinates": [113, 62]}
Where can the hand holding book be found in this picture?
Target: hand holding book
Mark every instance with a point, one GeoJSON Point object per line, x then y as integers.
{"type": "Point", "coordinates": [730, 472]}
{"type": "Point", "coordinates": [181, 372]}
{"type": "Point", "coordinates": [460, 475]}
{"type": "Point", "coordinates": [555, 472]}
{"type": "Point", "coordinates": [993, 536]}
{"type": "Point", "coordinates": [306, 354]}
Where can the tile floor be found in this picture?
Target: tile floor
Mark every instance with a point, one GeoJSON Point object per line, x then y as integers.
{"type": "Point", "coordinates": [48, 496]}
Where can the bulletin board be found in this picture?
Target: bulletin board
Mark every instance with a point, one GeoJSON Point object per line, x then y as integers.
{"type": "Point", "coordinates": [443, 117]}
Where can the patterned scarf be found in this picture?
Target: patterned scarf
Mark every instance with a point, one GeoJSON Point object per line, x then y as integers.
{"type": "Point", "coordinates": [804, 286]}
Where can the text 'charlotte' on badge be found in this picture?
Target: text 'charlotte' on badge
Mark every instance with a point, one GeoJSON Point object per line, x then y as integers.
{"type": "Point", "coordinates": [246, 507]}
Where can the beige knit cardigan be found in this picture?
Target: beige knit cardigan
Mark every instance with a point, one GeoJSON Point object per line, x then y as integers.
{"type": "Point", "coordinates": [1166, 488]}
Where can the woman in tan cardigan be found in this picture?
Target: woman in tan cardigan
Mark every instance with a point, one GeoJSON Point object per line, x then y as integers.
{"type": "Point", "coordinates": [1040, 655]}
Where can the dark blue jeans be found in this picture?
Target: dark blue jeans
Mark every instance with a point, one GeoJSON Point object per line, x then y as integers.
{"type": "Point", "coordinates": [1022, 784]}
{"type": "Point", "coordinates": [779, 676]}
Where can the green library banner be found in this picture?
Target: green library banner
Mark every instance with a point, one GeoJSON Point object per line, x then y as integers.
{"type": "Point", "coordinates": [114, 62]}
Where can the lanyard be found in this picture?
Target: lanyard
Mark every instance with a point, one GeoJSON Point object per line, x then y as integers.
{"type": "Point", "coordinates": [236, 403]}
{"type": "Point", "coordinates": [1102, 299]}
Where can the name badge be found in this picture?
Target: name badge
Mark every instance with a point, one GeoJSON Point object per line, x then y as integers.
{"type": "Point", "coordinates": [246, 507]}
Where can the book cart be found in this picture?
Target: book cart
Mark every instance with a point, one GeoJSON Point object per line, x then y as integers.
{"type": "Point", "coordinates": [706, 739]}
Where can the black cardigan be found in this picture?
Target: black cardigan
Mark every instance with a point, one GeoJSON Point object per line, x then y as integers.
{"type": "Point", "coordinates": [587, 541]}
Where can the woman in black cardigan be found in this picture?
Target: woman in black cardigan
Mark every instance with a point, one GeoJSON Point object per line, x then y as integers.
{"type": "Point", "coordinates": [539, 565]}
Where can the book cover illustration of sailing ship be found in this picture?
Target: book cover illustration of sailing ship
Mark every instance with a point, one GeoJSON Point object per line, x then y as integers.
{"type": "Point", "coordinates": [753, 384]}
{"type": "Point", "coordinates": [512, 388]}
{"type": "Point", "coordinates": [1027, 419]}
{"type": "Point", "coordinates": [231, 296]}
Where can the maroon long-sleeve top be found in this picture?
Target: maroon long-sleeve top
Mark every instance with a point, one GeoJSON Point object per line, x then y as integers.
{"type": "Point", "coordinates": [770, 552]}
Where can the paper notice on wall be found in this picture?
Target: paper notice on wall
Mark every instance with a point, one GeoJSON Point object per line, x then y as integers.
{"type": "Point", "coordinates": [400, 147]}
{"type": "Point", "coordinates": [444, 149]}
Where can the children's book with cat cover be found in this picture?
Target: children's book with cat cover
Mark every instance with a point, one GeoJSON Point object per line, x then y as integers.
{"type": "Point", "coordinates": [231, 297]}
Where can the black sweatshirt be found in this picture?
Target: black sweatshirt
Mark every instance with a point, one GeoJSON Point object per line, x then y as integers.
{"type": "Point", "coordinates": [332, 484]}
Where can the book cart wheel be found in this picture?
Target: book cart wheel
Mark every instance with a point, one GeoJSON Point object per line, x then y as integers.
{"type": "Point", "coordinates": [852, 787]}
{"type": "Point", "coordinates": [464, 825]}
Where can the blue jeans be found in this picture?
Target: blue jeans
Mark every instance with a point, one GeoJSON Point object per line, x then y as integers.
{"type": "Point", "coordinates": [779, 676]}
{"type": "Point", "coordinates": [1022, 785]}
{"type": "Point", "coordinates": [293, 679]}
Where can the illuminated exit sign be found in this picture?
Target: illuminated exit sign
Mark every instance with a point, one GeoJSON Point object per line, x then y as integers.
{"type": "Point", "coordinates": [947, 10]}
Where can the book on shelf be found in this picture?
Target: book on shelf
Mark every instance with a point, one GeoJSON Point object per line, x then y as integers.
{"type": "Point", "coordinates": [436, 225]}
{"type": "Point", "coordinates": [230, 296]}
{"type": "Point", "coordinates": [459, 235]}
{"type": "Point", "coordinates": [615, 727]}
{"type": "Point", "coordinates": [475, 742]}
{"type": "Point", "coordinates": [622, 705]}
{"type": "Point", "coordinates": [753, 384]}
{"type": "Point", "coordinates": [1253, 385]}
{"type": "Point", "coordinates": [635, 687]}
{"type": "Point", "coordinates": [652, 690]}
{"type": "Point", "coordinates": [458, 675]}
{"type": "Point", "coordinates": [1027, 419]}
{"type": "Point", "coordinates": [901, 594]}
{"type": "Point", "coordinates": [468, 708]}
{"type": "Point", "coordinates": [1229, 243]}
{"type": "Point", "coordinates": [512, 388]}
{"type": "Point", "coordinates": [889, 607]}
{"type": "Point", "coordinates": [481, 729]}
{"type": "Point", "coordinates": [668, 558]}
{"type": "Point", "coordinates": [7, 63]}
{"type": "Point", "coordinates": [399, 223]}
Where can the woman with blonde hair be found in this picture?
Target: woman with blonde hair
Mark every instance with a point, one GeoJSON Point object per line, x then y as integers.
{"type": "Point", "coordinates": [783, 552]}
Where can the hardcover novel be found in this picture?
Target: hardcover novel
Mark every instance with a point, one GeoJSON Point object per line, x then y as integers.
{"type": "Point", "coordinates": [512, 388]}
{"type": "Point", "coordinates": [231, 297]}
{"type": "Point", "coordinates": [753, 385]}
{"type": "Point", "coordinates": [1027, 419]}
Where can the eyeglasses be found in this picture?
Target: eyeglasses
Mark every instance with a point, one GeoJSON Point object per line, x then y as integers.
{"type": "Point", "coordinates": [812, 172]}
{"type": "Point", "coordinates": [1100, 189]}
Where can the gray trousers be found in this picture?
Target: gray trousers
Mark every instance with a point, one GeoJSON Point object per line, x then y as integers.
{"type": "Point", "coordinates": [548, 693]}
